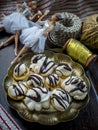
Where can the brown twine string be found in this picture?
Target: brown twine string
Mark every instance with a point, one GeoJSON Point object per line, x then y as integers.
{"type": "Point", "coordinates": [89, 34]}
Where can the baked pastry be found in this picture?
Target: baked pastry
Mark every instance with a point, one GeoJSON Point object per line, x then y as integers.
{"type": "Point", "coordinates": [35, 80]}
{"type": "Point", "coordinates": [42, 65]}
{"type": "Point", "coordinates": [37, 98]}
{"type": "Point", "coordinates": [64, 70]}
{"type": "Point", "coordinates": [20, 72]}
{"type": "Point", "coordinates": [17, 90]}
{"type": "Point", "coordinates": [76, 87]}
{"type": "Point", "coordinates": [60, 99]}
{"type": "Point", "coordinates": [36, 62]}
{"type": "Point", "coordinates": [52, 81]}
{"type": "Point", "coordinates": [37, 58]}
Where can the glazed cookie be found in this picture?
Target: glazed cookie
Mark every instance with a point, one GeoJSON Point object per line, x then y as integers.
{"type": "Point", "coordinates": [35, 80]}
{"type": "Point", "coordinates": [20, 72]}
{"type": "Point", "coordinates": [64, 70]}
{"type": "Point", "coordinates": [76, 87]}
{"type": "Point", "coordinates": [37, 59]}
{"type": "Point", "coordinates": [37, 98]}
{"type": "Point", "coordinates": [17, 91]}
{"type": "Point", "coordinates": [52, 81]}
{"type": "Point", "coordinates": [60, 99]}
{"type": "Point", "coordinates": [42, 65]}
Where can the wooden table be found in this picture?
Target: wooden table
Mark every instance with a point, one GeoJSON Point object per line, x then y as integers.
{"type": "Point", "coordinates": [86, 120]}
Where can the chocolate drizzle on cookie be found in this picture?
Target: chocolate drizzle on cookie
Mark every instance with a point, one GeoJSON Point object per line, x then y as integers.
{"type": "Point", "coordinates": [36, 80]}
{"type": "Point", "coordinates": [17, 69]}
{"type": "Point", "coordinates": [80, 85]}
{"type": "Point", "coordinates": [63, 69]}
{"type": "Point", "coordinates": [72, 80]}
{"type": "Point", "coordinates": [53, 79]}
{"type": "Point", "coordinates": [37, 96]}
{"type": "Point", "coordinates": [37, 58]}
{"type": "Point", "coordinates": [65, 66]}
{"type": "Point", "coordinates": [18, 89]}
{"type": "Point", "coordinates": [44, 63]}
{"type": "Point", "coordinates": [59, 99]}
{"type": "Point", "coordinates": [46, 66]}
{"type": "Point", "coordinates": [62, 97]}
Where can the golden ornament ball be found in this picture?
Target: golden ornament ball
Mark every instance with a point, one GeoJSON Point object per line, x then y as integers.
{"type": "Point", "coordinates": [89, 34]}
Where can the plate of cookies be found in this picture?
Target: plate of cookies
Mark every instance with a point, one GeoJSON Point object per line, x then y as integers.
{"type": "Point", "coordinates": [47, 88]}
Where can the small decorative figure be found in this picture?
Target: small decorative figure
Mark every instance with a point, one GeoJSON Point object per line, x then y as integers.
{"type": "Point", "coordinates": [29, 10]}
{"type": "Point", "coordinates": [16, 22]}
{"type": "Point", "coordinates": [35, 36]}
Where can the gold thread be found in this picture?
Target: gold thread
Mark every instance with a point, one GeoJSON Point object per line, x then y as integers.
{"type": "Point", "coordinates": [78, 51]}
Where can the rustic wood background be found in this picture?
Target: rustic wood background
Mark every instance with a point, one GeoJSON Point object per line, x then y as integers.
{"type": "Point", "coordinates": [82, 8]}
